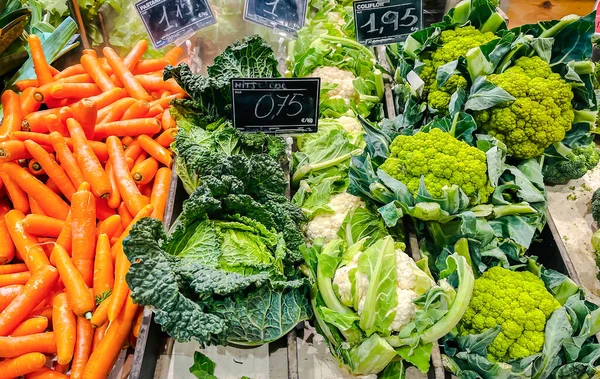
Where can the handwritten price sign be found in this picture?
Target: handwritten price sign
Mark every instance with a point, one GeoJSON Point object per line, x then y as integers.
{"type": "Point", "coordinates": [276, 106]}
{"type": "Point", "coordinates": [286, 15]}
{"type": "Point", "coordinates": [385, 22]}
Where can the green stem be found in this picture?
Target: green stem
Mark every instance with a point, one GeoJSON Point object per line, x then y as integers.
{"type": "Point", "coordinates": [493, 23]}
{"type": "Point", "coordinates": [563, 23]}
{"type": "Point", "coordinates": [348, 43]}
{"type": "Point", "coordinates": [513, 209]}
{"type": "Point", "coordinates": [307, 169]}
{"type": "Point", "coordinates": [379, 86]}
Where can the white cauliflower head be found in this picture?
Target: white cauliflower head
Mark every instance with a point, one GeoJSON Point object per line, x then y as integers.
{"type": "Point", "coordinates": [350, 124]}
{"type": "Point", "coordinates": [343, 79]}
{"type": "Point", "coordinates": [327, 225]}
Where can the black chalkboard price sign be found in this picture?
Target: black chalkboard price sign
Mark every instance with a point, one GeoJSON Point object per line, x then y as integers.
{"type": "Point", "coordinates": [288, 16]}
{"type": "Point", "coordinates": [168, 21]}
{"type": "Point", "coordinates": [383, 22]}
{"type": "Point", "coordinates": [276, 106]}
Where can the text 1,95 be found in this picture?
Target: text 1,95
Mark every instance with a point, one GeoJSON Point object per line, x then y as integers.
{"type": "Point", "coordinates": [378, 23]}
{"type": "Point", "coordinates": [270, 106]}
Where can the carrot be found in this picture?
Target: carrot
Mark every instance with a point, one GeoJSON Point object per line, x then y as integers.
{"type": "Point", "coordinates": [7, 248]}
{"type": "Point", "coordinates": [137, 110]}
{"type": "Point", "coordinates": [166, 138]}
{"type": "Point", "coordinates": [108, 227]}
{"type": "Point", "coordinates": [88, 161]}
{"type": "Point", "coordinates": [8, 293]}
{"type": "Point", "coordinates": [107, 98]}
{"type": "Point", "coordinates": [167, 121]}
{"type": "Point", "coordinates": [76, 69]}
{"type": "Point", "coordinates": [83, 347]}
{"type": "Point", "coordinates": [45, 226]}
{"type": "Point", "coordinates": [24, 84]}
{"type": "Point", "coordinates": [150, 65]}
{"type": "Point", "coordinates": [40, 65]}
{"type": "Point", "coordinates": [13, 150]}
{"type": "Point", "coordinates": [80, 299]}
{"type": "Point", "coordinates": [155, 150]}
{"type": "Point", "coordinates": [26, 245]}
{"type": "Point", "coordinates": [126, 141]}
{"type": "Point", "coordinates": [21, 365]}
{"type": "Point", "coordinates": [54, 124]}
{"type": "Point", "coordinates": [164, 101]}
{"type": "Point", "coordinates": [173, 55]}
{"type": "Point", "coordinates": [30, 326]}
{"type": "Point", "coordinates": [74, 90]}
{"type": "Point", "coordinates": [11, 104]}
{"type": "Point", "coordinates": [43, 94]}
{"type": "Point", "coordinates": [131, 60]}
{"type": "Point", "coordinates": [86, 113]}
{"type": "Point", "coordinates": [12, 268]}
{"type": "Point", "coordinates": [17, 196]}
{"type": "Point", "coordinates": [136, 127]}
{"type": "Point", "coordinates": [155, 111]}
{"type": "Point", "coordinates": [131, 195]}
{"type": "Point", "coordinates": [52, 169]}
{"type": "Point", "coordinates": [103, 267]}
{"type": "Point", "coordinates": [133, 150]}
{"type": "Point", "coordinates": [126, 217]}
{"type": "Point", "coordinates": [138, 323]}
{"type": "Point", "coordinates": [145, 171]}
{"type": "Point", "coordinates": [114, 199]}
{"type": "Point", "coordinates": [35, 167]}
{"type": "Point", "coordinates": [156, 83]}
{"type": "Point", "coordinates": [132, 86]}
{"type": "Point", "coordinates": [66, 158]}
{"type": "Point", "coordinates": [50, 202]}
{"type": "Point", "coordinates": [115, 111]}
{"type": "Point", "coordinates": [99, 334]}
{"type": "Point", "coordinates": [94, 68]}
{"type": "Point", "coordinates": [28, 103]}
{"type": "Point", "coordinates": [53, 187]}
{"type": "Point", "coordinates": [83, 216]}
{"type": "Point", "coordinates": [16, 278]}
{"type": "Point", "coordinates": [100, 316]}
{"type": "Point", "coordinates": [64, 324]}
{"type": "Point", "coordinates": [35, 207]}
{"type": "Point", "coordinates": [37, 288]}
{"type": "Point", "coordinates": [105, 354]}
{"type": "Point", "coordinates": [99, 148]}
{"type": "Point", "coordinates": [142, 157]}
{"type": "Point", "coordinates": [46, 373]}
{"type": "Point", "coordinates": [65, 238]}
{"type": "Point", "coordinates": [54, 71]}
{"type": "Point", "coordinates": [36, 121]}
{"type": "Point", "coordinates": [42, 311]}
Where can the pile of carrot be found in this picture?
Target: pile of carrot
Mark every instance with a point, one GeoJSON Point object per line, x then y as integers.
{"type": "Point", "coordinates": [84, 154]}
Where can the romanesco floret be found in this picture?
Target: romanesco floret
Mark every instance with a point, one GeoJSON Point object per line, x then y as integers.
{"type": "Point", "coordinates": [518, 302]}
{"type": "Point", "coordinates": [541, 114]}
{"type": "Point", "coordinates": [442, 160]}
{"type": "Point", "coordinates": [341, 78]}
{"type": "Point", "coordinates": [453, 44]}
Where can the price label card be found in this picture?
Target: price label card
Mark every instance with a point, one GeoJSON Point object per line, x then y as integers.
{"type": "Point", "coordinates": [286, 15]}
{"type": "Point", "coordinates": [169, 21]}
{"type": "Point", "coordinates": [383, 22]}
{"type": "Point", "coordinates": [276, 106]}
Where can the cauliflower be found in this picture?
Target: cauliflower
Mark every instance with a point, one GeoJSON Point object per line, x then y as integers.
{"type": "Point", "coordinates": [341, 78]}
{"type": "Point", "coordinates": [540, 115]}
{"type": "Point", "coordinates": [327, 225]}
{"type": "Point", "coordinates": [442, 160]}
{"type": "Point", "coordinates": [518, 302]}
{"type": "Point", "coordinates": [408, 287]}
{"type": "Point", "coordinates": [350, 124]}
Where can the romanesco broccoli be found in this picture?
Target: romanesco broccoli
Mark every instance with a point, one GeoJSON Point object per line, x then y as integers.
{"type": "Point", "coordinates": [541, 113]}
{"type": "Point", "coordinates": [519, 303]}
{"type": "Point", "coordinates": [442, 160]}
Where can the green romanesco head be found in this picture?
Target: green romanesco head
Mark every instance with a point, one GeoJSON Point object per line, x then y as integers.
{"type": "Point", "coordinates": [439, 98]}
{"type": "Point", "coordinates": [518, 302]}
{"type": "Point", "coordinates": [541, 114]}
{"type": "Point", "coordinates": [442, 160]}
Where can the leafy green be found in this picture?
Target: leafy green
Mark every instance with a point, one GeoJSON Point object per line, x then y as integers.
{"type": "Point", "coordinates": [203, 367]}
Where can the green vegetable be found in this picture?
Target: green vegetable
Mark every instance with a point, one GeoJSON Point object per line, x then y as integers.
{"type": "Point", "coordinates": [596, 205]}
{"type": "Point", "coordinates": [566, 164]}
{"type": "Point", "coordinates": [203, 367]}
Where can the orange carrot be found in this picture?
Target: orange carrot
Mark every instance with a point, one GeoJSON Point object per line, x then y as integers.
{"type": "Point", "coordinates": [24, 84]}
{"type": "Point", "coordinates": [36, 121]}
{"type": "Point", "coordinates": [11, 104]}
{"type": "Point", "coordinates": [50, 202]}
{"type": "Point", "coordinates": [39, 138]}
{"type": "Point", "coordinates": [132, 86]}
{"type": "Point", "coordinates": [155, 150]}
{"type": "Point", "coordinates": [52, 169]}
{"type": "Point", "coordinates": [83, 216]}
{"type": "Point", "coordinates": [126, 217]}
{"type": "Point", "coordinates": [114, 199]}
{"type": "Point", "coordinates": [30, 326]}
{"type": "Point", "coordinates": [42, 311]}
{"type": "Point", "coordinates": [155, 111]}
{"type": "Point", "coordinates": [44, 226]}
{"type": "Point", "coordinates": [126, 141]}
{"type": "Point", "coordinates": [131, 60]}
{"type": "Point", "coordinates": [108, 227]}
{"type": "Point", "coordinates": [145, 171]}
{"type": "Point", "coordinates": [54, 124]}
{"type": "Point", "coordinates": [83, 347]}
{"type": "Point", "coordinates": [164, 101]}
{"type": "Point", "coordinates": [64, 324]}
{"type": "Point", "coordinates": [133, 150]}
{"type": "Point", "coordinates": [35, 207]}
{"type": "Point", "coordinates": [53, 187]}
{"type": "Point", "coordinates": [136, 127]}
{"type": "Point", "coordinates": [22, 365]}
{"type": "Point", "coordinates": [94, 68]}
{"type": "Point", "coordinates": [142, 157]}
{"type": "Point", "coordinates": [166, 138]}
{"type": "Point", "coordinates": [138, 323]}
{"type": "Point", "coordinates": [40, 65]}
{"type": "Point", "coordinates": [13, 150]}
{"type": "Point", "coordinates": [105, 354]}
{"type": "Point", "coordinates": [151, 65]}
{"type": "Point", "coordinates": [86, 113]}
{"type": "Point", "coordinates": [103, 267]}
{"type": "Point", "coordinates": [167, 121]}
{"type": "Point", "coordinates": [107, 98]}
{"type": "Point", "coordinates": [66, 159]}
{"type": "Point", "coordinates": [35, 167]}
{"type": "Point", "coordinates": [16, 278]}
{"type": "Point", "coordinates": [156, 83]}
{"type": "Point", "coordinates": [65, 238]}
{"type": "Point", "coordinates": [88, 161]}
{"type": "Point", "coordinates": [137, 110]}
{"type": "Point", "coordinates": [79, 296]}
{"type": "Point", "coordinates": [17, 196]}
{"type": "Point", "coordinates": [13, 268]}
{"type": "Point", "coordinates": [116, 110]}
{"type": "Point", "coordinates": [100, 316]}
{"type": "Point", "coordinates": [76, 69]}
{"type": "Point", "coordinates": [7, 248]}
{"type": "Point", "coordinates": [46, 373]}
{"type": "Point", "coordinates": [8, 293]}
{"type": "Point", "coordinates": [37, 288]}
{"type": "Point", "coordinates": [28, 103]}
{"type": "Point", "coordinates": [99, 333]}
{"type": "Point", "coordinates": [99, 148]}
{"type": "Point", "coordinates": [74, 90]}
{"type": "Point", "coordinates": [173, 55]}
{"type": "Point", "coordinates": [26, 245]}
{"type": "Point", "coordinates": [131, 195]}
{"type": "Point", "coordinates": [43, 94]}
{"type": "Point", "coordinates": [103, 211]}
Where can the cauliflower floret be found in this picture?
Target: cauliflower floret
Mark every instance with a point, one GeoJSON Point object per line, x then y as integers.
{"type": "Point", "coordinates": [405, 310]}
{"type": "Point", "coordinates": [350, 124]}
{"type": "Point", "coordinates": [342, 78]}
{"type": "Point", "coordinates": [327, 225]}
{"type": "Point", "coordinates": [341, 282]}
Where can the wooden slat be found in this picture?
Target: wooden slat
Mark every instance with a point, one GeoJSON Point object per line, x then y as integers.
{"type": "Point", "coordinates": [528, 12]}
